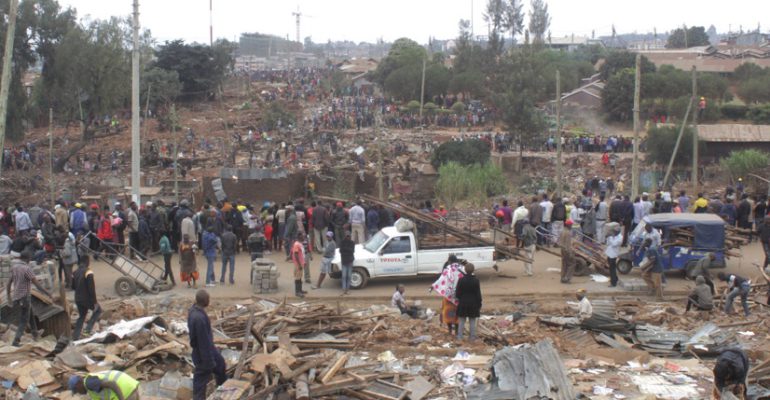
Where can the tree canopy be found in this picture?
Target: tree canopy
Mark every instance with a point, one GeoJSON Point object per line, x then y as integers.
{"type": "Point", "coordinates": [201, 69]}
{"type": "Point", "coordinates": [400, 72]}
{"type": "Point", "coordinates": [693, 36]}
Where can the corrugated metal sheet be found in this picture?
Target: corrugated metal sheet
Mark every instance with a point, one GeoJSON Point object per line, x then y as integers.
{"type": "Point", "coordinates": [734, 133]}
{"type": "Point", "coordinates": [529, 372]}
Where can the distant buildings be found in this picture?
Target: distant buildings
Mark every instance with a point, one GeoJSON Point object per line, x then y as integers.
{"type": "Point", "coordinates": [722, 58]}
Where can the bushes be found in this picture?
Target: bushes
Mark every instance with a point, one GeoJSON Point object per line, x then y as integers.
{"type": "Point", "coordinates": [740, 163]}
{"type": "Point", "coordinates": [661, 142]}
{"type": "Point", "coordinates": [476, 183]}
{"type": "Point", "coordinates": [760, 114]}
{"type": "Point", "coordinates": [467, 152]}
{"type": "Point", "coordinates": [734, 111]}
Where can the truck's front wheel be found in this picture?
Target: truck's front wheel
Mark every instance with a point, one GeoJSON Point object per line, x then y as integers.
{"type": "Point", "coordinates": [358, 278]}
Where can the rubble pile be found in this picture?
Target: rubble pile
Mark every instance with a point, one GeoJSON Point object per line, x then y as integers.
{"type": "Point", "coordinates": [324, 350]}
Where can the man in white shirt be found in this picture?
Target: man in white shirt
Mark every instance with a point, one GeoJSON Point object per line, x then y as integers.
{"type": "Point", "coordinates": [614, 241]}
{"type": "Point", "coordinates": [520, 214]}
{"type": "Point", "coordinates": [585, 310]}
{"type": "Point", "coordinates": [357, 220]}
{"type": "Point", "coordinates": [602, 213]}
{"type": "Point", "coordinates": [547, 207]}
{"type": "Point", "coordinates": [22, 221]}
{"type": "Point", "coordinates": [399, 301]}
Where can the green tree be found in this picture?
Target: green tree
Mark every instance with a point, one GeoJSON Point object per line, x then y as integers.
{"type": "Point", "coordinates": [694, 36]}
{"type": "Point", "coordinates": [201, 69]}
{"type": "Point", "coordinates": [40, 25]}
{"type": "Point", "coordinates": [513, 20]}
{"type": "Point", "coordinates": [749, 70]}
{"type": "Point", "coordinates": [469, 83]}
{"type": "Point", "coordinates": [539, 21]}
{"type": "Point", "coordinates": [521, 87]}
{"type": "Point", "coordinates": [755, 90]}
{"type": "Point", "coordinates": [660, 145]}
{"type": "Point", "coordinates": [403, 52]}
{"type": "Point", "coordinates": [163, 87]}
{"type": "Point", "coordinates": [618, 60]}
{"type": "Point", "coordinates": [743, 162]}
{"type": "Point", "coordinates": [89, 77]}
{"type": "Point", "coordinates": [495, 16]}
{"type": "Point", "coordinates": [467, 152]}
{"type": "Point", "coordinates": [400, 73]}
{"type": "Point", "coordinates": [617, 97]}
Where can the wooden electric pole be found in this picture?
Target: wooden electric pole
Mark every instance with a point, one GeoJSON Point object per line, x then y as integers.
{"type": "Point", "coordinates": [50, 156]}
{"type": "Point", "coordinates": [135, 134]}
{"type": "Point", "coordinates": [637, 123]}
{"type": "Point", "coordinates": [695, 184]}
{"type": "Point", "coordinates": [380, 188]}
{"type": "Point", "coordinates": [422, 90]}
{"type": "Point", "coordinates": [558, 135]}
{"type": "Point", "coordinates": [6, 74]}
{"type": "Point", "coordinates": [176, 153]}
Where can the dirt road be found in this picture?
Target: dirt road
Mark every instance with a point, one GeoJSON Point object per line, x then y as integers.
{"type": "Point", "coordinates": [498, 288]}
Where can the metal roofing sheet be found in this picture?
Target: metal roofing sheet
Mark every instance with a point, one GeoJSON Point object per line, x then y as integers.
{"type": "Point", "coordinates": [734, 133]}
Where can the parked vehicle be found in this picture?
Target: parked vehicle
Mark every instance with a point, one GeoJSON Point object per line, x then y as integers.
{"type": "Point", "coordinates": [396, 251]}
{"type": "Point", "coordinates": [708, 236]}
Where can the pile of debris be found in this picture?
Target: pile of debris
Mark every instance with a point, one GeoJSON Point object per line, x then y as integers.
{"type": "Point", "coordinates": [321, 350]}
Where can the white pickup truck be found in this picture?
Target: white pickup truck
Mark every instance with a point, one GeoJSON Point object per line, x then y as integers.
{"type": "Point", "coordinates": [394, 252]}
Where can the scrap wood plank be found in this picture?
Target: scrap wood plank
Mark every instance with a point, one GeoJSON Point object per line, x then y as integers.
{"type": "Point", "coordinates": [301, 389]}
{"type": "Point", "coordinates": [256, 330]}
{"type": "Point", "coordinates": [356, 394]}
{"type": "Point", "coordinates": [339, 363]}
{"type": "Point", "coordinates": [307, 367]}
{"type": "Point", "coordinates": [244, 347]}
{"type": "Point", "coordinates": [336, 386]}
{"type": "Point", "coordinates": [384, 390]}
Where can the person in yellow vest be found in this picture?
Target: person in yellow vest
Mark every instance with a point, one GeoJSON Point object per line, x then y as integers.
{"type": "Point", "coordinates": [106, 385]}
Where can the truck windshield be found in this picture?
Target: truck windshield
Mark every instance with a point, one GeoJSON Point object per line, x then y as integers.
{"type": "Point", "coordinates": [376, 241]}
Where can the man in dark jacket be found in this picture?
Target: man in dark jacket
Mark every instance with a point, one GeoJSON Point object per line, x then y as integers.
{"type": "Point", "coordinates": [145, 235]}
{"type": "Point", "coordinates": [744, 214]}
{"type": "Point", "coordinates": [339, 218]}
{"type": "Point", "coordinates": [372, 221]}
{"type": "Point", "coordinates": [763, 231]}
{"type": "Point", "coordinates": [730, 373]}
{"type": "Point", "coordinates": [347, 257]}
{"type": "Point", "coordinates": [205, 356]}
{"type": "Point", "coordinates": [536, 217]}
{"type": "Point", "coordinates": [320, 222]}
{"type": "Point", "coordinates": [85, 297]}
{"type": "Point", "coordinates": [468, 294]}
{"type": "Point", "coordinates": [156, 226]}
{"type": "Point", "coordinates": [229, 243]}
{"type": "Point", "coordinates": [290, 234]}
{"type": "Point", "coordinates": [627, 217]}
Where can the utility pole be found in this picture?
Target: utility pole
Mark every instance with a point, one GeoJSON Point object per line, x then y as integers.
{"type": "Point", "coordinates": [135, 146]}
{"type": "Point", "coordinates": [695, 184]}
{"type": "Point", "coordinates": [50, 155]}
{"type": "Point", "coordinates": [635, 165]}
{"type": "Point", "coordinates": [380, 189]}
{"type": "Point", "coordinates": [211, 23]}
{"type": "Point", "coordinates": [558, 135]}
{"type": "Point", "coordinates": [176, 153]}
{"type": "Point", "coordinates": [6, 74]}
{"type": "Point", "coordinates": [422, 89]}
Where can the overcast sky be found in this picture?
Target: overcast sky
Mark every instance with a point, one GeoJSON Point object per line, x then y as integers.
{"type": "Point", "coordinates": [366, 20]}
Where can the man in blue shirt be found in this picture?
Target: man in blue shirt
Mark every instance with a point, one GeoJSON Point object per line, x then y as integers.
{"type": "Point", "coordinates": [205, 356]}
